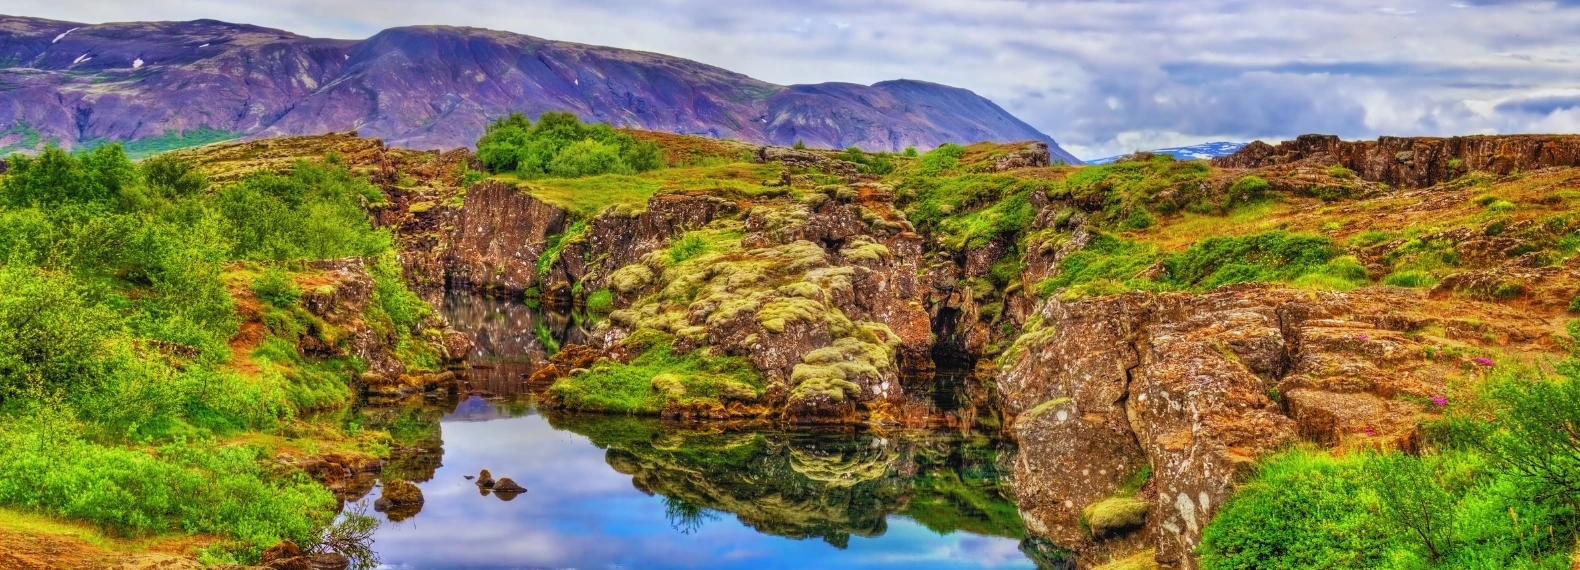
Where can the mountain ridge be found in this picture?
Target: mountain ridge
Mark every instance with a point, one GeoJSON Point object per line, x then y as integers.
{"type": "Point", "coordinates": [435, 87]}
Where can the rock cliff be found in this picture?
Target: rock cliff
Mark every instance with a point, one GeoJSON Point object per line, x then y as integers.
{"type": "Point", "coordinates": [1414, 162]}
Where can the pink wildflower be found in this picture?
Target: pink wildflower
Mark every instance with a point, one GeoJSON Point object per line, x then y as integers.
{"type": "Point", "coordinates": [1371, 431]}
{"type": "Point", "coordinates": [1363, 337]}
{"type": "Point", "coordinates": [1439, 401]}
{"type": "Point", "coordinates": [1484, 361]}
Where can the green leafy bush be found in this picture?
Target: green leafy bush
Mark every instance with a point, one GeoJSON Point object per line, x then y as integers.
{"type": "Point", "coordinates": [561, 145]}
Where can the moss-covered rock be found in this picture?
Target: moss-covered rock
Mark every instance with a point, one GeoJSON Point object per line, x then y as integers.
{"type": "Point", "coordinates": [1115, 515]}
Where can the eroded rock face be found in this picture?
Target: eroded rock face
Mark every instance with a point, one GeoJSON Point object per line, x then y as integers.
{"type": "Point", "coordinates": [1196, 387]}
{"type": "Point", "coordinates": [1415, 162]}
{"type": "Point", "coordinates": [498, 237]}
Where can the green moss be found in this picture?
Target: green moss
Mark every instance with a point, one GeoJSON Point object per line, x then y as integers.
{"type": "Point", "coordinates": [779, 313]}
{"type": "Point", "coordinates": [576, 233]}
{"type": "Point", "coordinates": [1115, 514]}
{"type": "Point", "coordinates": [600, 302]}
{"type": "Point", "coordinates": [862, 248]}
{"type": "Point", "coordinates": [631, 278]}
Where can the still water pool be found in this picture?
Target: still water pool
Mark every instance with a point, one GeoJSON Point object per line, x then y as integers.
{"type": "Point", "coordinates": [615, 492]}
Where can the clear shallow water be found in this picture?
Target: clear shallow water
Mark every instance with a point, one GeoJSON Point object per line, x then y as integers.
{"type": "Point", "coordinates": [611, 492]}
{"type": "Point", "coordinates": [615, 492]}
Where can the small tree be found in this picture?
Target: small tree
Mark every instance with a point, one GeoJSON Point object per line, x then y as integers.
{"type": "Point", "coordinates": [799, 145]}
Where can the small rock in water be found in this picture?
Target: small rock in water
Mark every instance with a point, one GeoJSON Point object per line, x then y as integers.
{"type": "Point", "coordinates": [469, 477]}
{"type": "Point", "coordinates": [506, 485]}
{"type": "Point", "coordinates": [485, 480]}
{"type": "Point", "coordinates": [507, 489]}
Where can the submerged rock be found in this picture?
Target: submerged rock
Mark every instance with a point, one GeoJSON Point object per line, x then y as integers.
{"type": "Point", "coordinates": [485, 479]}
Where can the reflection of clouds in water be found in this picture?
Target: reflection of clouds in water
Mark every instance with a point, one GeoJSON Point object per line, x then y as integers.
{"type": "Point", "coordinates": [953, 550]}
{"type": "Point", "coordinates": [580, 513]}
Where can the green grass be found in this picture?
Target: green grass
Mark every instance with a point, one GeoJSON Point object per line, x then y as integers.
{"type": "Point", "coordinates": [656, 378]}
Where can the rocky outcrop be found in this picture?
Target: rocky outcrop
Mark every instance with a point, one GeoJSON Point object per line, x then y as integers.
{"type": "Point", "coordinates": [619, 237]}
{"type": "Point", "coordinates": [498, 237]}
{"type": "Point", "coordinates": [339, 295]}
{"type": "Point", "coordinates": [1414, 162]}
{"type": "Point", "coordinates": [1195, 387]}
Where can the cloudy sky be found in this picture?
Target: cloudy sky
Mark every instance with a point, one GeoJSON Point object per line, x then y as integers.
{"type": "Point", "coordinates": [1101, 77]}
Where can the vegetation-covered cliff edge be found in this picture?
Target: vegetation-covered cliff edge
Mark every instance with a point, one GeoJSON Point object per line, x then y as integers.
{"type": "Point", "coordinates": [1280, 360]}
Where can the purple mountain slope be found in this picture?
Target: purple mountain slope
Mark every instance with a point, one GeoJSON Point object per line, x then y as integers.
{"type": "Point", "coordinates": [433, 87]}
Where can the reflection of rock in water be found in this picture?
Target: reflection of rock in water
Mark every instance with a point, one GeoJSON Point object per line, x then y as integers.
{"type": "Point", "coordinates": [508, 339]}
{"type": "Point", "coordinates": [802, 485]}
{"type": "Point", "coordinates": [1047, 555]}
{"type": "Point", "coordinates": [400, 500]}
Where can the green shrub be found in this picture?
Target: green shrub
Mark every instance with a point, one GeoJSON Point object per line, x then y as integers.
{"type": "Point", "coordinates": [276, 287]}
{"type": "Point", "coordinates": [1341, 172]}
{"type": "Point", "coordinates": [799, 145]}
{"type": "Point", "coordinates": [1500, 207]}
{"type": "Point", "coordinates": [175, 488]}
{"type": "Point", "coordinates": [1455, 163]}
{"type": "Point", "coordinates": [314, 212]}
{"type": "Point", "coordinates": [1302, 509]}
{"type": "Point", "coordinates": [561, 145]}
{"type": "Point", "coordinates": [587, 158]}
{"type": "Point", "coordinates": [688, 246]}
{"type": "Point", "coordinates": [910, 151]}
{"type": "Point", "coordinates": [870, 163]}
{"type": "Point", "coordinates": [1249, 189]}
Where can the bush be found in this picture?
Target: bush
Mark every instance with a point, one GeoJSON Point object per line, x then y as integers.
{"type": "Point", "coordinates": [1341, 172]}
{"type": "Point", "coordinates": [587, 158]}
{"type": "Point", "coordinates": [314, 212]}
{"type": "Point", "coordinates": [276, 287]}
{"type": "Point", "coordinates": [688, 246]}
{"type": "Point", "coordinates": [1302, 509]}
{"type": "Point", "coordinates": [939, 160]}
{"type": "Point", "coordinates": [174, 488]}
{"type": "Point", "coordinates": [561, 145]}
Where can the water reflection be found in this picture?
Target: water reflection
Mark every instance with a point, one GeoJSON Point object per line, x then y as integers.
{"type": "Point", "coordinates": [510, 340]}
{"type": "Point", "coordinates": [620, 492]}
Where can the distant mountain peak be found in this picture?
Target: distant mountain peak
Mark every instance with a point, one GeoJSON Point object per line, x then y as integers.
{"type": "Point", "coordinates": [434, 87]}
{"type": "Point", "coordinates": [1203, 151]}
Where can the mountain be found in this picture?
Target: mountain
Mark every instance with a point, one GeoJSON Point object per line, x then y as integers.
{"type": "Point", "coordinates": [1203, 151]}
{"type": "Point", "coordinates": [167, 83]}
